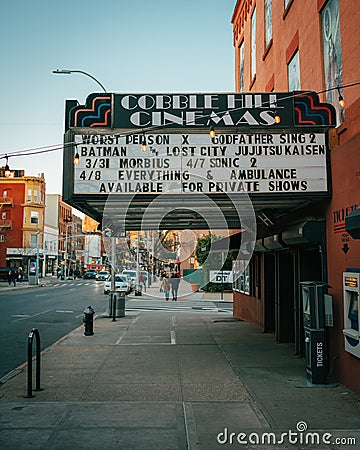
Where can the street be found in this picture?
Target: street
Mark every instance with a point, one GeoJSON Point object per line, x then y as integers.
{"type": "Point", "coordinates": [57, 308]}
{"type": "Point", "coordinates": [54, 310]}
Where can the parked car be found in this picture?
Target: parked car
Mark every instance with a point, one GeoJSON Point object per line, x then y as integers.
{"type": "Point", "coordinates": [121, 284]}
{"type": "Point", "coordinates": [130, 281]}
{"type": "Point", "coordinates": [132, 275]}
{"type": "Point", "coordinates": [90, 274]}
{"type": "Point", "coordinates": [102, 275]}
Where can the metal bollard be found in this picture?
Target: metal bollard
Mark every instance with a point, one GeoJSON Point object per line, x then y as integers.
{"type": "Point", "coordinates": [33, 332]}
{"type": "Point", "coordinates": [88, 320]}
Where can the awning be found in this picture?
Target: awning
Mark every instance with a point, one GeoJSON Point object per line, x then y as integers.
{"type": "Point", "coordinates": [310, 231]}
{"type": "Point", "coordinates": [229, 243]}
{"type": "Point", "coordinates": [273, 242]}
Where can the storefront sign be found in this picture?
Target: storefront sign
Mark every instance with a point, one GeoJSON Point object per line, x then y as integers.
{"type": "Point", "coordinates": [195, 163]}
{"type": "Point", "coordinates": [220, 277]}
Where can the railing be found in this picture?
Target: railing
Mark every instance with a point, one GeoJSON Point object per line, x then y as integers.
{"type": "Point", "coordinates": [33, 332]}
{"type": "Point", "coordinates": [6, 200]}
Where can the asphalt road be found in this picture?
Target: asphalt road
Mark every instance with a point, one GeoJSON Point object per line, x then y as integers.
{"type": "Point", "coordinates": [54, 310]}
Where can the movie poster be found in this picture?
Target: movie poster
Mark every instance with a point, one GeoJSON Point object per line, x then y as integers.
{"type": "Point", "coordinates": [330, 19]}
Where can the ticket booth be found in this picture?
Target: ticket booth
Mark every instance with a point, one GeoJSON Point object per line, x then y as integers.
{"type": "Point", "coordinates": [351, 285]}
{"type": "Point", "coordinates": [317, 314]}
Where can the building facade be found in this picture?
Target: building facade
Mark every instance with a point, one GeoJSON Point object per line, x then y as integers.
{"type": "Point", "coordinates": [22, 204]}
{"type": "Point", "coordinates": [293, 45]}
{"type": "Point", "coordinates": [70, 243]}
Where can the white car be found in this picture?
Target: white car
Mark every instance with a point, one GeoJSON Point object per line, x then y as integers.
{"type": "Point", "coordinates": [102, 275]}
{"type": "Point", "coordinates": [129, 280]}
{"type": "Point", "coordinates": [121, 284]}
{"type": "Point", "coordinates": [131, 274]}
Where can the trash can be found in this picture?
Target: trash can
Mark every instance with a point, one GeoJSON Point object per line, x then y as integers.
{"type": "Point", "coordinates": [120, 304]}
{"type": "Point", "coordinates": [119, 298]}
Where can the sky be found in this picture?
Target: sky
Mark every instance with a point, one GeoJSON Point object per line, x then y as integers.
{"type": "Point", "coordinates": [128, 45]}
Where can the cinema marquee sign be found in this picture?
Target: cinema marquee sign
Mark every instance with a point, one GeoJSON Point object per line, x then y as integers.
{"type": "Point", "coordinates": [183, 163]}
{"type": "Point", "coordinates": [250, 153]}
{"type": "Point", "coordinates": [128, 111]}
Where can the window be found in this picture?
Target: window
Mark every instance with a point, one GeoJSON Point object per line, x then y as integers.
{"type": "Point", "coordinates": [3, 215]}
{"type": "Point", "coordinates": [5, 194]}
{"type": "Point", "coordinates": [294, 73]}
{"type": "Point", "coordinates": [330, 23]}
{"type": "Point", "coordinates": [268, 22]}
{"type": "Point", "coordinates": [253, 44]}
{"type": "Point", "coordinates": [241, 277]}
{"type": "Point", "coordinates": [286, 3]}
{"type": "Point", "coordinates": [33, 240]}
{"type": "Point", "coordinates": [34, 218]}
{"type": "Point", "coordinates": [29, 195]}
{"type": "Point", "coordinates": [36, 195]}
{"type": "Point", "coordinates": [241, 68]}
{"type": "Point", "coordinates": [2, 238]}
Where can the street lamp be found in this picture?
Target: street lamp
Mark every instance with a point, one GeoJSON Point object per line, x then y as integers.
{"type": "Point", "coordinates": [68, 222]}
{"type": "Point", "coordinates": [37, 257]}
{"type": "Point", "coordinates": [68, 72]}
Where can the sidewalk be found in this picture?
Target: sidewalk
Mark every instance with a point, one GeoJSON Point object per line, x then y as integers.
{"type": "Point", "coordinates": [171, 380]}
{"type": "Point", "coordinates": [46, 281]}
{"type": "Point", "coordinates": [153, 290]}
{"type": "Point", "coordinates": [185, 293]}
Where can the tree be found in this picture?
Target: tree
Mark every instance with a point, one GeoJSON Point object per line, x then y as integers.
{"type": "Point", "coordinates": [202, 251]}
{"type": "Point", "coordinates": [213, 261]}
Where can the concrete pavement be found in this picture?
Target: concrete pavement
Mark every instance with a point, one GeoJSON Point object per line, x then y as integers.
{"type": "Point", "coordinates": [174, 379]}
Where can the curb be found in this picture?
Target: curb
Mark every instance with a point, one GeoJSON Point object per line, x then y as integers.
{"type": "Point", "coordinates": [13, 373]}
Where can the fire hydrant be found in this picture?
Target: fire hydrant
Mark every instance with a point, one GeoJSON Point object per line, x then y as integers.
{"type": "Point", "coordinates": [88, 320]}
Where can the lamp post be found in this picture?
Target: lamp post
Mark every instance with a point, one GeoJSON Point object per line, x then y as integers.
{"type": "Point", "coordinates": [69, 72]}
{"type": "Point", "coordinates": [37, 257]}
{"type": "Point", "coordinates": [67, 224]}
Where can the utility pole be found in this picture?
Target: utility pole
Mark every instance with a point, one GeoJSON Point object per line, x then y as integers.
{"type": "Point", "coordinates": [65, 256]}
{"type": "Point", "coordinates": [37, 258]}
{"type": "Point", "coordinates": [113, 262]}
{"type": "Point", "coordinates": [68, 219]}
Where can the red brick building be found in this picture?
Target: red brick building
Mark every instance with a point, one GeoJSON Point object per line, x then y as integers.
{"type": "Point", "coordinates": [22, 203]}
{"type": "Point", "coordinates": [293, 45]}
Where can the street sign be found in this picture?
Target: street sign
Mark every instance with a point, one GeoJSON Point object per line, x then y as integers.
{"type": "Point", "coordinates": [220, 277]}
{"type": "Point", "coordinates": [109, 233]}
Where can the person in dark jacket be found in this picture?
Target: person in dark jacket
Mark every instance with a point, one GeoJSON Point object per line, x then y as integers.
{"type": "Point", "coordinates": [174, 282]}
{"type": "Point", "coordinates": [12, 275]}
{"type": "Point", "coordinates": [9, 277]}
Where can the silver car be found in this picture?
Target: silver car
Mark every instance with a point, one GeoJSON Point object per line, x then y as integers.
{"type": "Point", "coordinates": [121, 284]}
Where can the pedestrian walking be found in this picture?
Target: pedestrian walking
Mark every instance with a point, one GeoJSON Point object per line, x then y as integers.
{"type": "Point", "coordinates": [20, 275]}
{"type": "Point", "coordinates": [162, 275]}
{"type": "Point", "coordinates": [9, 277]}
{"type": "Point", "coordinates": [174, 281]}
{"type": "Point", "coordinates": [165, 286]}
{"type": "Point", "coordinates": [13, 277]}
{"type": "Point", "coordinates": [142, 282]}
